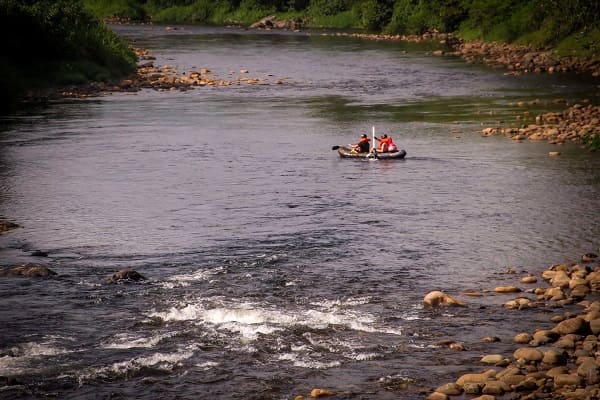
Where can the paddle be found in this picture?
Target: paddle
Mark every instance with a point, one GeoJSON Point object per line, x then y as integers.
{"type": "Point", "coordinates": [335, 147]}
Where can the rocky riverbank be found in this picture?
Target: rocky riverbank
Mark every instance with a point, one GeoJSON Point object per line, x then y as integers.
{"type": "Point", "coordinates": [578, 123]}
{"type": "Point", "coordinates": [516, 59]}
{"type": "Point", "coordinates": [159, 78]}
{"type": "Point", "coordinates": [558, 363]}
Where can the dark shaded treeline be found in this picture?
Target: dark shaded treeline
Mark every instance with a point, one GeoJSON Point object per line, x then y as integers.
{"type": "Point", "coordinates": [47, 43]}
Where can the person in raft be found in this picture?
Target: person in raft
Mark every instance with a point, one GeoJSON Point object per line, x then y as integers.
{"type": "Point", "coordinates": [363, 145]}
{"type": "Point", "coordinates": [386, 144]}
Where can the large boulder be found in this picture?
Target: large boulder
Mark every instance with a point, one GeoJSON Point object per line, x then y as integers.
{"type": "Point", "coordinates": [572, 325]}
{"type": "Point", "coordinates": [29, 271]}
{"type": "Point", "coordinates": [438, 298]}
{"type": "Point", "coordinates": [126, 275]}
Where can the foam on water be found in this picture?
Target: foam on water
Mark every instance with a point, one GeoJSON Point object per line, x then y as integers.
{"type": "Point", "coordinates": [20, 358]}
{"type": "Point", "coordinates": [128, 341]}
{"type": "Point", "coordinates": [183, 280]}
{"type": "Point", "coordinates": [158, 361]}
{"type": "Point", "coordinates": [250, 320]}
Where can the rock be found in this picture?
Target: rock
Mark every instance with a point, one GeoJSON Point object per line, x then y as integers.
{"type": "Point", "coordinates": [6, 226]}
{"type": "Point", "coordinates": [552, 372]}
{"type": "Point", "coordinates": [527, 384]}
{"type": "Point", "coordinates": [554, 153]}
{"type": "Point", "coordinates": [554, 357]}
{"type": "Point", "coordinates": [589, 371]}
{"type": "Point", "coordinates": [449, 389]}
{"type": "Point", "coordinates": [528, 279]}
{"type": "Point", "coordinates": [519, 303]}
{"type": "Point", "coordinates": [490, 339]}
{"type": "Point", "coordinates": [437, 298]}
{"type": "Point", "coordinates": [523, 338]}
{"type": "Point", "coordinates": [580, 291]}
{"type": "Point", "coordinates": [126, 275]}
{"type": "Point", "coordinates": [29, 271]}
{"type": "Point", "coordinates": [572, 325]}
{"type": "Point", "coordinates": [544, 336]}
{"type": "Point", "coordinates": [39, 253]}
{"type": "Point", "coordinates": [265, 23]}
{"type": "Point", "coordinates": [528, 354]}
{"type": "Point", "coordinates": [480, 378]}
{"type": "Point", "coordinates": [492, 359]}
{"type": "Point", "coordinates": [561, 279]}
{"type": "Point", "coordinates": [437, 396]}
{"type": "Point", "coordinates": [472, 388]}
{"type": "Point", "coordinates": [495, 388]}
{"type": "Point", "coordinates": [567, 380]}
{"type": "Point", "coordinates": [317, 392]}
{"type": "Point", "coordinates": [589, 257]}
{"type": "Point", "coordinates": [485, 397]}
{"type": "Point", "coordinates": [507, 289]}
{"type": "Point", "coordinates": [595, 326]}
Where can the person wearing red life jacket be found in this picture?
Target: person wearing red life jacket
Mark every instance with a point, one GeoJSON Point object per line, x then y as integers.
{"type": "Point", "coordinates": [386, 144]}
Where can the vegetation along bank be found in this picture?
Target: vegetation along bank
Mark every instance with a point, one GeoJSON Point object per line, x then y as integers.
{"type": "Point", "coordinates": [53, 43]}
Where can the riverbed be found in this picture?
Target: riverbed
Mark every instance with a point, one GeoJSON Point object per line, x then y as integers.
{"type": "Point", "coordinates": [272, 265]}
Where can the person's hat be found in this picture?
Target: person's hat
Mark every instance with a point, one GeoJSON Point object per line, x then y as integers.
{"type": "Point", "coordinates": [384, 135]}
{"type": "Point", "coordinates": [363, 135]}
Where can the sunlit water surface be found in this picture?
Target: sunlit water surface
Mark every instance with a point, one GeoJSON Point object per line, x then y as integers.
{"type": "Point", "coordinates": [273, 265]}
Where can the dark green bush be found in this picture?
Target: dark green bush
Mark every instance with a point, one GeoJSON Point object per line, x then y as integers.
{"type": "Point", "coordinates": [53, 42]}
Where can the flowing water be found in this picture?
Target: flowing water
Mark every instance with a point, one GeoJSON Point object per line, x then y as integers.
{"type": "Point", "coordinates": [272, 265]}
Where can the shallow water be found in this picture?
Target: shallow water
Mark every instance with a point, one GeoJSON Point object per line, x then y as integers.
{"type": "Point", "coordinates": [273, 265]}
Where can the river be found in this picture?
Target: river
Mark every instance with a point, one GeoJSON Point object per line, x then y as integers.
{"type": "Point", "coordinates": [273, 266]}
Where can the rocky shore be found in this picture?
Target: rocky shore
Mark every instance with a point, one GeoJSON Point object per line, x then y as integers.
{"type": "Point", "coordinates": [159, 78]}
{"type": "Point", "coordinates": [517, 59]}
{"type": "Point", "coordinates": [578, 123]}
{"type": "Point", "coordinates": [558, 363]}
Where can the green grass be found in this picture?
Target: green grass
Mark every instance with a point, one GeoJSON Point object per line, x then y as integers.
{"type": "Point", "coordinates": [128, 9]}
{"type": "Point", "coordinates": [343, 20]}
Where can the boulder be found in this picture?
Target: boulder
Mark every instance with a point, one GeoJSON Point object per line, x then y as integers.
{"type": "Point", "coordinates": [507, 289]}
{"type": "Point", "coordinates": [28, 271]}
{"type": "Point", "coordinates": [528, 279]}
{"type": "Point", "coordinates": [495, 388]}
{"type": "Point", "coordinates": [479, 378]}
{"type": "Point", "coordinates": [590, 372]}
{"type": "Point", "coordinates": [528, 354]}
{"type": "Point", "coordinates": [552, 372]}
{"type": "Point", "coordinates": [6, 226]}
{"type": "Point", "coordinates": [126, 275]}
{"type": "Point", "coordinates": [572, 325]}
{"type": "Point", "coordinates": [555, 357]}
{"type": "Point", "coordinates": [567, 380]}
{"type": "Point", "coordinates": [449, 389]}
{"type": "Point", "coordinates": [561, 279]}
{"type": "Point", "coordinates": [492, 359]}
{"type": "Point", "coordinates": [437, 396]}
{"type": "Point", "coordinates": [595, 326]}
{"type": "Point", "coordinates": [437, 298]}
{"type": "Point", "coordinates": [523, 338]}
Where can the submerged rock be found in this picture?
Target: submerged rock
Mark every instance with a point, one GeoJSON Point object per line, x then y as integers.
{"type": "Point", "coordinates": [29, 271]}
{"type": "Point", "coordinates": [126, 275]}
{"type": "Point", "coordinates": [6, 226]}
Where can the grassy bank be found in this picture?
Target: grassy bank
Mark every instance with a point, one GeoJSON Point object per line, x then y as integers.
{"type": "Point", "coordinates": [571, 28]}
{"type": "Point", "coordinates": [50, 43]}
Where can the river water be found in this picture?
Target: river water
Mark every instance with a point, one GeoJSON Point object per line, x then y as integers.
{"type": "Point", "coordinates": [272, 265]}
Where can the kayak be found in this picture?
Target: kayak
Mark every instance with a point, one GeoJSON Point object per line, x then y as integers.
{"type": "Point", "coordinates": [346, 152]}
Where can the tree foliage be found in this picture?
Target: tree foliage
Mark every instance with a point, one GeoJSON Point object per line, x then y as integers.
{"type": "Point", "coordinates": [46, 42]}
